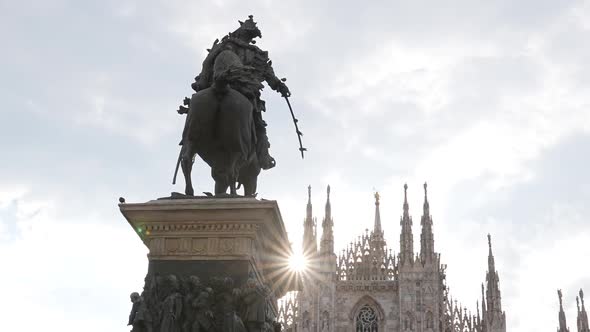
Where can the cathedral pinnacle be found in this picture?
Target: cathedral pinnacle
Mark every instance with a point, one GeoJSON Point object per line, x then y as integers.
{"type": "Point", "coordinates": [406, 238]}
{"type": "Point", "coordinates": [327, 242]}
{"type": "Point", "coordinates": [309, 229]}
{"type": "Point", "coordinates": [309, 206]}
{"type": "Point", "coordinates": [583, 325]}
{"type": "Point", "coordinates": [426, 205]}
{"type": "Point", "coordinates": [491, 264]}
{"type": "Point", "coordinates": [328, 205]}
{"type": "Point", "coordinates": [377, 226]}
{"type": "Point", "coordinates": [562, 322]}
{"type": "Point", "coordinates": [427, 236]}
{"type": "Point", "coordinates": [406, 206]}
{"type": "Point", "coordinates": [493, 316]}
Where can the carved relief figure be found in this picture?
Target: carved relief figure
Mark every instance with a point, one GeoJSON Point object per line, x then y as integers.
{"type": "Point", "coordinates": [171, 306]}
{"type": "Point", "coordinates": [192, 289]}
{"type": "Point", "coordinates": [203, 313]}
{"type": "Point", "coordinates": [140, 317]}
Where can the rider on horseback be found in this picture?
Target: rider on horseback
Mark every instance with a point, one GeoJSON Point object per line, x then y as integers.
{"type": "Point", "coordinates": [241, 42]}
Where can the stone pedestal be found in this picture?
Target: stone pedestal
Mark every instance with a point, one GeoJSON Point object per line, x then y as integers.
{"type": "Point", "coordinates": [214, 237]}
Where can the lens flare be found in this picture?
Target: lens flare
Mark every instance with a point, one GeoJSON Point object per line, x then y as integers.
{"type": "Point", "coordinates": [298, 262]}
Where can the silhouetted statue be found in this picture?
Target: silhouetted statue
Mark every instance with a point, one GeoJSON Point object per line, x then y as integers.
{"type": "Point", "coordinates": [224, 124]}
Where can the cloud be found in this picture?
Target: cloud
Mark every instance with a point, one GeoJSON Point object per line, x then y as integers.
{"type": "Point", "coordinates": [486, 102]}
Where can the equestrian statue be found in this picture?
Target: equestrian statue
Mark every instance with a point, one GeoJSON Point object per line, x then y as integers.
{"type": "Point", "coordinates": [224, 124]}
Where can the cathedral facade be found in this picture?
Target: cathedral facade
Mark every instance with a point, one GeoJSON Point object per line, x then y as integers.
{"type": "Point", "coordinates": [369, 288]}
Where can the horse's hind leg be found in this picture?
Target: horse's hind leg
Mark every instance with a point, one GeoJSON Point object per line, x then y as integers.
{"type": "Point", "coordinates": [250, 184]}
{"type": "Point", "coordinates": [249, 178]}
{"type": "Point", "coordinates": [187, 165]}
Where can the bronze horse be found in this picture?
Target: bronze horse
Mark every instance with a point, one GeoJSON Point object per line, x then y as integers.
{"type": "Point", "coordinates": [220, 129]}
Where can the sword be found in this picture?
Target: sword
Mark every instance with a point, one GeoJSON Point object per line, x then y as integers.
{"type": "Point", "coordinates": [182, 110]}
{"type": "Point", "coordinates": [299, 133]}
{"type": "Point", "coordinates": [177, 164]}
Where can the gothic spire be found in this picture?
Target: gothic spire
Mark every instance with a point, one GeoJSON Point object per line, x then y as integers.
{"type": "Point", "coordinates": [406, 206]}
{"type": "Point", "coordinates": [378, 243]}
{"type": "Point", "coordinates": [493, 317]}
{"type": "Point", "coordinates": [426, 206]}
{"type": "Point", "coordinates": [406, 238]}
{"type": "Point", "coordinates": [493, 297]}
{"type": "Point", "coordinates": [309, 207]}
{"type": "Point", "coordinates": [427, 236]}
{"type": "Point", "coordinates": [562, 323]}
{"type": "Point", "coordinates": [327, 243]}
{"type": "Point", "coordinates": [491, 264]}
{"type": "Point", "coordinates": [328, 205]}
{"type": "Point", "coordinates": [582, 315]}
{"type": "Point", "coordinates": [377, 224]}
{"type": "Point", "coordinates": [310, 246]}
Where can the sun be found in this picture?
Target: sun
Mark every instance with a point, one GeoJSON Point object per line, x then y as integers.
{"type": "Point", "coordinates": [297, 262]}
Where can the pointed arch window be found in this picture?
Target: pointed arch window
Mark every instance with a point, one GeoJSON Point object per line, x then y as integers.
{"type": "Point", "coordinates": [367, 320]}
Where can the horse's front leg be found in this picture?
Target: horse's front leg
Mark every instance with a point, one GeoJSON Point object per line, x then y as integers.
{"type": "Point", "coordinates": [220, 187]}
{"type": "Point", "coordinates": [220, 179]}
{"type": "Point", "coordinates": [232, 188]}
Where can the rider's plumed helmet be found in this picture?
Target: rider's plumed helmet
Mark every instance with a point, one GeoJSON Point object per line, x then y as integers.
{"type": "Point", "coordinates": [250, 27]}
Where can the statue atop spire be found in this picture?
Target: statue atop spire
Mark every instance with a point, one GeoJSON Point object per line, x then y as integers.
{"type": "Point", "coordinates": [377, 225]}
{"type": "Point", "coordinates": [377, 236]}
{"type": "Point", "coordinates": [406, 206]}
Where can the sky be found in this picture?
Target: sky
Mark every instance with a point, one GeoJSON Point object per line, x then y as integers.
{"type": "Point", "coordinates": [487, 101]}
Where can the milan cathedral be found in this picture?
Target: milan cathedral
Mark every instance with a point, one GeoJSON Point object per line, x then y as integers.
{"type": "Point", "coordinates": [368, 288]}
